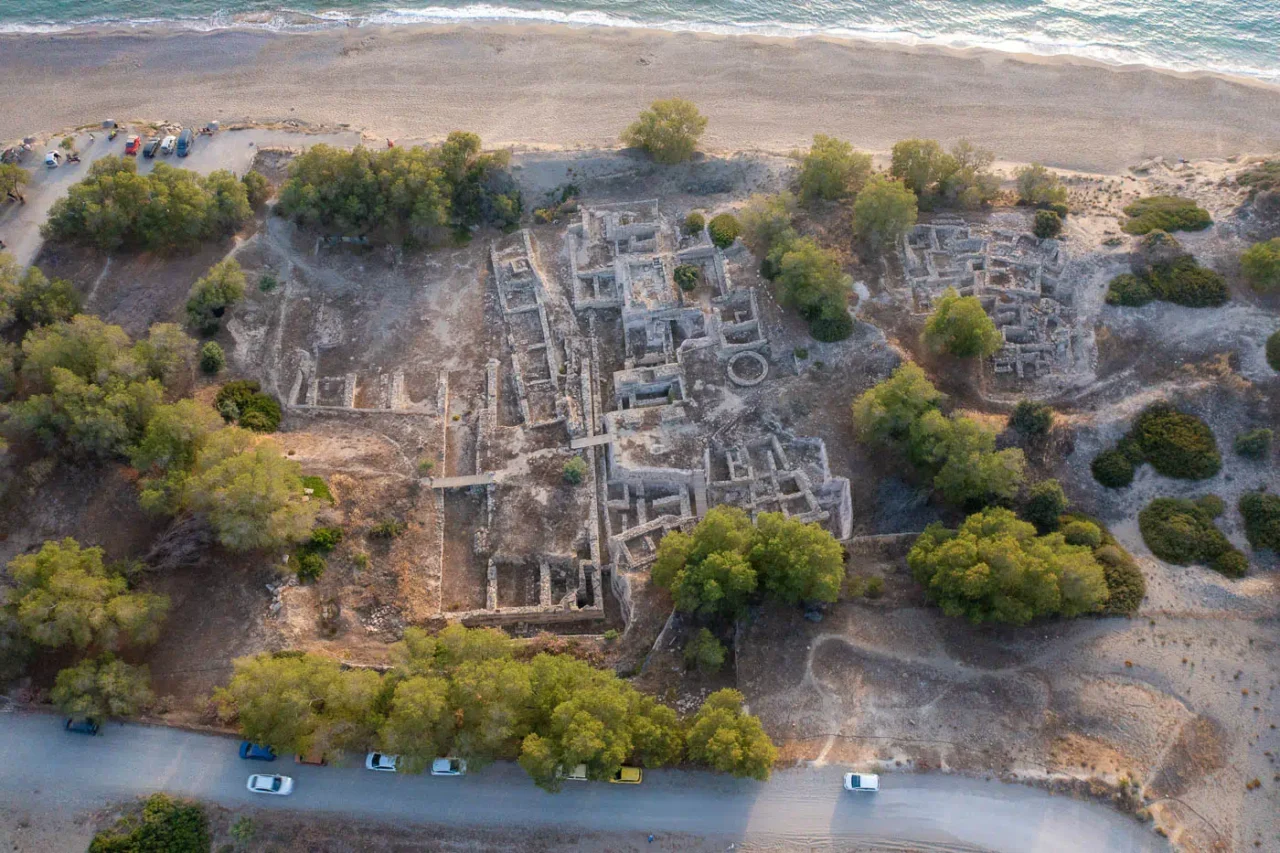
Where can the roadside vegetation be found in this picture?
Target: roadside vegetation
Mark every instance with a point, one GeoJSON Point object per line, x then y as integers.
{"type": "Point", "coordinates": [163, 823]}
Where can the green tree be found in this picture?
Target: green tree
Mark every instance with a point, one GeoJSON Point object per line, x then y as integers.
{"type": "Point", "coordinates": [970, 471]}
{"type": "Point", "coordinates": [65, 596]}
{"type": "Point", "coordinates": [960, 327]}
{"type": "Point", "coordinates": [1045, 505]}
{"type": "Point", "coordinates": [250, 492]}
{"type": "Point", "coordinates": [173, 435]}
{"type": "Point", "coordinates": [419, 725]}
{"type": "Point", "coordinates": [86, 346]}
{"type": "Point", "coordinates": [212, 358]}
{"type": "Point", "coordinates": [832, 170]}
{"type": "Point", "coordinates": [490, 700]}
{"type": "Point", "coordinates": [669, 130]}
{"type": "Point", "coordinates": [694, 223]}
{"type": "Point", "coordinates": [1261, 265]}
{"type": "Point", "coordinates": [102, 688]}
{"type": "Point", "coordinates": [885, 413]}
{"type": "Point", "coordinates": [212, 294]}
{"type": "Point", "coordinates": [809, 277]}
{"type": "Point", "coordinates": [167, 352]}
{"type": "Point", "coordinates": [575, 471]}
{"type": "Point", "coordinates": [707, 570]}
{"type": "Point", "coordinates": [257, 189]}
{"type": "Point", "coordinates": [883, 212]}
{"type": "Point", "coordinates": [724, 738]}
{"type": "Point", "coordinates": [971, 185]}
{"type": "Point", "coordinates": [921, 165]}
{"type": "Point", "coordinates": [39, 301]}
{"type": "Point", "coordinates": [687, 277]}
{"type": "Point", "coordinates": [996, 569]}
{"type": "Point", "coordinates": [168, 825]}
{"type": "Point", "coordinates": [1048, 224]}
{"type": "Point", "coordinates": [767, 222]}
{"type": "Point", "coordinates": [724, 229]}
{"type": "Point", "coordinates": [796, 562]}
{"type": "Point", "coordinates": [1031, 419]}
{"type": "Point", "coordinates": [12, 176]}
{"type": "Point", "coordinates": [704, 652]}
{"type": "Point", "coordinates": [1038, 186]}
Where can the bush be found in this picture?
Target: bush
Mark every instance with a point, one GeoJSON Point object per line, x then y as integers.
{"type": "Point", "coordinates": [267, 282]}
{"type": "Point", "coordinates": [1273, 351]}
{"type": "Point", "coordinates": [216, 291]}
{"type": "Point", "coordinates": [1261, 265]}
{"type": "Point", "coordinates": [325, 539]}
{"type": "Point", "coordinates": [724, 229]}
{"type": "Point", "coordinates": [832, 324]}
{"type": "Point", "coordinates": [1084, 533]}
{"type": "Point", "coordinates": [212, 358]}
{"type": "Point", "coordinates": [1254, 444]}
{"type": "Point", "coordinates": [883, 212]}
{"type": "Point", "coordinates": [1129, 290]}
{"type": "Point", "coordinates": [960, 327]}
{"type": "Point", "coordinates": [240, 401]}
{"type": "Point", "coordinates": [310, 566]}
{"type": "Point", "coordinates": [1112, 469]}
{"type": "Point", "coordinates": [687, 277]}
{"type": "Point", "coordinates": [1048, 224]}
{"type": "Point", "coordinates": [1261, 514]}
{"type": "Point", "coordinates": [115, 208]}
{"type": "Point", "coordinates": [1167, 213]}
{"type": "Point", "coordinates": [694, 223]}
{"type": "Point", "coordinates": [1182, 532]}
{"type": "Point", "coordinates": [874, 587]}
{"type": "Point", "coordinates": [704, 652]}
{"type": "Point", "coordinates": [169, 825]}
{"type": "Point", "coordinates": [1039, 186]}
{"type": "Point", "coordinates": [387, 529]}
{"type": "Point", "coordinates": [1031, 419]}
{"type": "Point", "coordinates": [1231, 563]}
{"type": "Point", "coordinates": [1176, 444]}
{"type": "Point", "coordinates": [1212, 504]}
{"type": "Point", "coordinates": [832, 170]}
{"type": "Point", "coordinates": [1045, 505]}
{"type": "Point", "coordinates": [1126, 586]}
{"type": "Point", "coordinates": [767, 223]}
{"type": "Point", "coordinates": [575, 470]}
{"type": "Point", "coordinates": [1185, 282]}
{"type": "Point", "coordinates": [668, 130]}
{"type": "Point", "coordinates": [257, 189]}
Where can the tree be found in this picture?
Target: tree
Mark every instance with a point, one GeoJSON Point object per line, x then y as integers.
{"type": "Point", "coordinates": [1045, 505]}
{"type": "Point", "coordinates": [832, 170]}
{"type": "Point", "coordinates": [419, 724]}
{"type": "Point", "coordinates": [883, 212]}
{"type": "Point", "coordinates": [65, 596]}
{"type": "Point", "coordinates": [86, 346]}
{"type": "Point", "coordinates": [1261, 265]}
{"type": "Point", "coordinates": [1048, 224]}
{"type": "Point", "coordinates": [687, 277]}
{"type": "Point", "coordinates": [707, 570]}
{"type": "Point", "coordinates": [694, 223]}
{"type": "Point", "coordinates": [724, 229]}
{"type": "Point", "coordinates": [39, 301]}
{"type": "Point", "coordinates": [212, 358]}
{"type": "Point", "coordinates": [101, 688]}
{"type": "Point", "coordinates": [970, 471]}
{"type": "Point", "coordinates": [669, 130]}
{"type": "Point", "coordinates": [257, 189]}
{"type": "Point", "coordinates": [796, 562]}
{"type": "Point", "coordinates": [10, 276]}
{"type": "Point", "coordinates": [728, 740]}
{"type": "Point", "coordinates": [767, 222]}
{"type": "Point", "coordinates": [12, 176]}
{"type": "Point", "coordinates": [212, 294]}
{"type": "Point", "coordinates": [921, 165]}
{"type": "Point", "coordinates": [996, 569]}
{"type": "Point", "coordinates": [1031, 419]}
{"type": "Point", "coordinates": [167, 353]}
{"type": "Point", "coordinates": [809, 277]}
{"type": "Point", "coordinates": [884, 414]}
{"type": "Point", "coordinates": [490, 700]}
{"type": "Point", "coordinates": [575, 471]}
{"type": "Point", "coordinates": [173, 435]}
{"type": "Point", "coordinates": [704, 652]}
{"type": "Point", "coordinates": [960, 327]}
{"type": "Point", "coordinates": [971, 185]}
{"type": "Point", "coordinates": [251, 493]}
{"type": "Point", "coordinates": [1038, 186]}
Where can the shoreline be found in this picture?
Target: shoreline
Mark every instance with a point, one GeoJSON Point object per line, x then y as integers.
{"type": "Point", "coordinates": [550, 85]}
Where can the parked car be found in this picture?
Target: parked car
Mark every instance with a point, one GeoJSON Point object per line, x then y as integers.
{"type": "Point", "coordinates": [52, 160]}
{"type": "Point", "coordinates": [169, 143]}
{"type": "Point", "coordinates": [132, 144]}
{"type": "Point", "coordinates": [185, 140]}
{"type": "Point", "coordinates": [577, 774]}
{"type": "Point", "coordinates": [262, 783]}
{"type": "Point", "coordinates": [628, 776]}
{"type": "Point", "coordinates": [867, 783]}
{"type": "Point", "coordinates": [151, 147]}
{"type": "Point", "coordinates": [315, 758]}
{"type": "Point", "coordinates": [256, 752]}
{"type": "Point", "coordinates": [378, 761]}
{"type": "Point", "coordinates": [448, 767]}
{"type": "Point", "coordinates": [82, 725]}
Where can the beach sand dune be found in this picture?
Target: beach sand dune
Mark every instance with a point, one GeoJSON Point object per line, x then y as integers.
{"type": "Point", "coordinates": [561, 86]}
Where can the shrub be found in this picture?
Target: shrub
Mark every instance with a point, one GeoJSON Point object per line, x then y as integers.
{"type": "Point", "coordinates": [1084, 533]}
{"type": "Point", "coordinates": [1167, 213]}
{"type": "Point", "coordinates": [883, 212]}
{"type": "Point", "coordinates": [1045, 505]}
{"type": "Point", "coordinates": [257, 189]}
{"type": "Point", "coordinates": [1039, 186]}
{"type": "Point", "coordinates": [212, 358]}
{"type": "Point", "coordinates": [174, 826]}
{"type": "Point", "coordinates": [1059, 208]}
{"type": "Point", "coordinates": [1185, 282]}
{"type": "Point", "coordinates": [325, 539]}
{"type": "Point", "coordinates": [694, 223]}
{"type": "Point", "coordinates": [267, 282]}
{"type": "Point", "coordinates": [387, 529]}
{"type": "Point", "coordinates": [610, 635]}
{"type": "Point", "coordinates": [668, 130]}
{"type": "Point", "coordinates": [1254, 444]}
{"type": "Point", "coordinates": [832, 170]}
{"type": "Point", "coordinates": [310, 566]}
{"type": "Point", "coordinates": [704, 652]}
{"type": "Point", "coordinates": [1212, 504]}
{"type": "Point", "coordinates": [1273, 351]}
{"type": "Point", "coordinates": [1182, 532]}
{"type": "Point", "coordinates": [960, 327]}
{"type": "Point", "coordinates": [241, 401]}
{"type": "Point", "coordinates": [1231, 563]}
{"type": "Point", "coordinates": [220, 288]}
{"type": "Point", "coordinates": [832, 324]}
{"type": "Point", "coordinates": [1176, 444]}
{"type": "Point", "coordinates": [1126, 586]}
{"type": "Point", "coordinates": [575, 470]}
{"type": "Point", "coordinates": [1031, 419]}
{"type": "Point", "coordinates": [1112, 469]}
{"type": "Point", "coordinates": [1261, 265]}
{"type": "Point", "coordinates": [687, 276]}
{"type": "Point", "coordinates": [724, 229]}
{"type": "Point", "coordinates": [874, 587]}
{"type": "Point", "coordinates": [1261, 513]}
{"type": "Point", "coordinates": [767, 222]}
{"type": "Point", "coordinates": [1048, 224]}
{"type": "Point", "coordinates": [1129, 290]}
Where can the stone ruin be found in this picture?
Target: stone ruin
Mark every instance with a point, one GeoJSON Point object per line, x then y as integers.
{"type": "Point", "coordinates": [1019, 278]}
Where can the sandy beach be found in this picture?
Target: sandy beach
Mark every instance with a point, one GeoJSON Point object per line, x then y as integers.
{"type": "Point", "coordinates": [564, 87]}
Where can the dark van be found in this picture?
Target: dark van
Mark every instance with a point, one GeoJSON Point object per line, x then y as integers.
{"type": "Point", "coordinates": [185, 141]}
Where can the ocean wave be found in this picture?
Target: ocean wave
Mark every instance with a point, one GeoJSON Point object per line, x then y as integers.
{"type": "Point", "coordinates": [291, 20]}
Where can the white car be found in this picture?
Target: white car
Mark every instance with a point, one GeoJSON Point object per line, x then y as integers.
{"type": "Point", "coordinates": [170, 142]}
{"type": "Point", "coordinates": [262, 783]}
{"type": "Point", "coordinates": [448, 767]}
{"type": "Point", "coordinates": [378, 761]}
{"type": "Point", "coordinates": [52, 160]}
{"type": "Point", "coordinates": [867, 783]}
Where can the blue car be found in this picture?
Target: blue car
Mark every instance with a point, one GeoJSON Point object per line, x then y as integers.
{"type": "Point", "coordinates": [82, 725]}
{"type": "Point", "coordinates": [256, 752]}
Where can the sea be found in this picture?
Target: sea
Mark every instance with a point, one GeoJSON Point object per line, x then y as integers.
{"type": "Point", "coordinates": [1229, 36]}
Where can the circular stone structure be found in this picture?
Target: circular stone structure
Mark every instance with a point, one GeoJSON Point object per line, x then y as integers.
{"type": "Point", "coordinates": [747, 368]}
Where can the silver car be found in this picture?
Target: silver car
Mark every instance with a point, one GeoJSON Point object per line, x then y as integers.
{"type": "Point", "coordinates": [378, 761]}
{"type": "Point", "coordinates": [264, 783]}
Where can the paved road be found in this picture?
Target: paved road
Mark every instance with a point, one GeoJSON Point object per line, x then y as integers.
{"type": "Point", "coordinates": [796, 808]}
